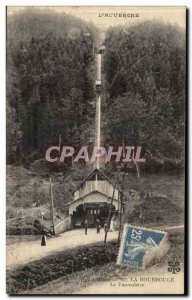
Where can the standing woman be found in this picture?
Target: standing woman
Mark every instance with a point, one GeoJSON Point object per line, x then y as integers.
{"type": "Point", "coordinates": [86, 226]}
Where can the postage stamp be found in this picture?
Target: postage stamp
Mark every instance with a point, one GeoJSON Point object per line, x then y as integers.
{"type": "Point", "coordinates": [140, 246]}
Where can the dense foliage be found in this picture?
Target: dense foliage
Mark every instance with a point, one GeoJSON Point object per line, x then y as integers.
{"type": "Point", "coordinates": [50, 73]}
{"type": "Point", "coordinates": [145, 79]}
{"type": "Point", "coordinates": [58, 265]}
{"type": "Point", "coordinates": [50, 87]}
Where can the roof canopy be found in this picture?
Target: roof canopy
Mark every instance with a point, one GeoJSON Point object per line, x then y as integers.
{"type": "Point", "coordinates": [92, 176]}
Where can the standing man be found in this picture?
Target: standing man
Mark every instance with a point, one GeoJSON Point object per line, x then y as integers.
{"type": "Point", "coordinates": [98, 225]}
{"type": "Point", "coordinates": [86, 226]}
{"type": "Point", "coordinates": [105, 226]}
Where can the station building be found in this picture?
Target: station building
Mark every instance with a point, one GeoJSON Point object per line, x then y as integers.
{"type": "Point", "coordinates": [92, 200]}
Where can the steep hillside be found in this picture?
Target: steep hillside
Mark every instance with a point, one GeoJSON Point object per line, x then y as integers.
{"type": "Point", "coordinates": [145, 86]}
{"type": "Point", "coordinates": [50, 82]}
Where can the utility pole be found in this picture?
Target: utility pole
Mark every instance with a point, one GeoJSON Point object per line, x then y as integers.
{"type": "Point", "coordinates": [136, 165]}
{"type": "Point", "coordinates": [110, 210]}
{"type": "Point", "coordinates": [35, 194]}
{"type": "Point", "coordinates": [58, 159]}
{"type": "Point", "coordinates": [109, 216]}
{"type": "Point", "coordinates": [121, 206]}
{"type": "Point", "coordinates": [52, 206]}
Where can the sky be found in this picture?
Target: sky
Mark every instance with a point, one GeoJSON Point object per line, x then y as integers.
{"type": "Point", "coordinates": [96, 14]}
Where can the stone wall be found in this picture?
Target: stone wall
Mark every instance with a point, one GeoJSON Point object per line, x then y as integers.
{"type": "Point", "coordinates": [63, 225]}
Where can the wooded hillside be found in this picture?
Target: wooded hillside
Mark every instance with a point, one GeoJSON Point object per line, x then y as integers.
{"type": "Point", "coordinates": [145, 82]}
{"type": "Point", "coordinates": [50, 82]}
{"type": "Point", "coordinates": [50, 87]}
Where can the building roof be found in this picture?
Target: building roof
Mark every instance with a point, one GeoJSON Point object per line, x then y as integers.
{"type": "Point", "coordinates": [94, 191]}
{"type": "Point", "coordinates": [91, 174]}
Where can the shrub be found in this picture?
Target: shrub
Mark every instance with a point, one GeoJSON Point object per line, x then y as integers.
{"type": "Point", "coordinates": [57, 265]}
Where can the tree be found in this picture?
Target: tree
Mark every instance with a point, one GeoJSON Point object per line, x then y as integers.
{"type": "Point", "coordinates": [146, 88]}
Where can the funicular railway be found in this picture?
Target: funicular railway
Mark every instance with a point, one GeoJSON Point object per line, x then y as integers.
{"type": "Point", "coordinates": [92, 200]}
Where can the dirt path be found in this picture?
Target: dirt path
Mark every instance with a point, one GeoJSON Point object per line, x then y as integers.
{"type": "Point", "coordinates": [171, 228]}
{"type": "Point", "coordinates": [25, 252]}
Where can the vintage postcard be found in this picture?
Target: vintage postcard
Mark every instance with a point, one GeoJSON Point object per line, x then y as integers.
{"type": "Point", "coordinates": [96, 127]}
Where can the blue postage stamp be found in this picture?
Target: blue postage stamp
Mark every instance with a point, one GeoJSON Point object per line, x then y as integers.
{"type": "Point", "coordinates": [140, 246]}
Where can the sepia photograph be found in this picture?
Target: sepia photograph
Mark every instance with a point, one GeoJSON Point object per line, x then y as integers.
{"type": "Point", "coordinates": [96, 150]}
